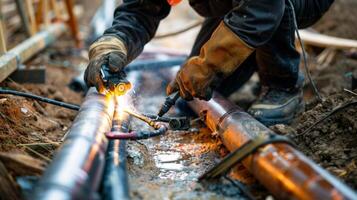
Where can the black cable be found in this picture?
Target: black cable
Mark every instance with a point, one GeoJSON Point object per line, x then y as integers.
{"type": "Point", "coordinates": [312, 83]}
{"type": "Point", "coordinates": [334, 111]}
{"type": "Point", "coordinates": [39, 98]}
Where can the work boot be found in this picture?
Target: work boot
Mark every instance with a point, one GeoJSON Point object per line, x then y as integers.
{"type": "Point", "coordinates": [277, 106]}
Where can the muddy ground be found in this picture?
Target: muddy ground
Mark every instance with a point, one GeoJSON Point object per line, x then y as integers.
{"type": "Point", "coordinates": [167, 167]}
{"type": "Point", "coordinates": [333, 143]}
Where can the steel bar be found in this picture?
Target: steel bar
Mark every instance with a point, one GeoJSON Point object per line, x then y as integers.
{"type": "Point", "coordinates": [77, 169]}
{"type": "Point", "coordinates": [284, 171]}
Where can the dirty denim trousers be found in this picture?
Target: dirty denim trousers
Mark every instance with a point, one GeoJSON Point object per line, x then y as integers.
{"type": "Point", "coordinates": [277, 61]}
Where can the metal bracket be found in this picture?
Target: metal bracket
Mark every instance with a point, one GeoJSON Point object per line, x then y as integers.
{"type": "Point", "coordinates": [241, 153]}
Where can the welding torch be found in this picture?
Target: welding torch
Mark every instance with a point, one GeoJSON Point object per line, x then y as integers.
{"type": "Point", "coordinates": [114, 83]}
{"type": "Point", "coordinates": [169, 102]}
{"type": "Point", "coordinates": [156, 122]}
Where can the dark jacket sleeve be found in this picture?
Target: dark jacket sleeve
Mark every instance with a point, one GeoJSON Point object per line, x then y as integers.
{"type": "Point", "coordinates": [136, 21]}
{"type": "Point", "coordinates": [255, 21]}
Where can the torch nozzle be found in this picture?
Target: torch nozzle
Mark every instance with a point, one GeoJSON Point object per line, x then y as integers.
{"type": "Point", "coordinates": [169, 102]}
{"type": "Point", "coordinates": [115, 83]}
{"type": "Point", "coordinates": [143, 118]}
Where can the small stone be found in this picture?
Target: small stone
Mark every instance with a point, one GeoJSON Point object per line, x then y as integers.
{"type": "Point", "coordinates": [24, 110]}
{"type": "Point", "coordinates": [3, 100]}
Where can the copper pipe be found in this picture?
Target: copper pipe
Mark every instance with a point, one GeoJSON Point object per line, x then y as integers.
{"type": "Point", "coordinates": [286, 172]}
{"type": "Point", "coordinates": [283, 170]}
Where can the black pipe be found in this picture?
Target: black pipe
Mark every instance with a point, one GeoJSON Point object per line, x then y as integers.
{"type": "Point", "coordinates": [39, 98]}
{"type": "Point", "coordinates": [76, 170]}
{"type": "Point", "coordinates": [115, 179]}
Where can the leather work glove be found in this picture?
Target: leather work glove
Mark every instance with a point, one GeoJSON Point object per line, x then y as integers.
{"type": "Point", "coordinates": [220, 56]}
{"type": "Point", "coordinates": [107, 50]}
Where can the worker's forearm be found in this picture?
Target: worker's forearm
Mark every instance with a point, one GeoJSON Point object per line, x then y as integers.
{"type": "Point", "coordinates": [135, 23]}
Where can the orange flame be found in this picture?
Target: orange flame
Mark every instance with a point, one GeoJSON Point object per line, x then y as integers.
{"type": "Point", "coordinates": [123, 102]}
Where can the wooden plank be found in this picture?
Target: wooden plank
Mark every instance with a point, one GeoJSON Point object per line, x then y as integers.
{"type": "Point", "coordinates": [28, 48]}
{"type": "Point", "coordinates": [8, 64]}
{"type": "Point", "coordinates": [39, 13]}
{"type": "Point", "coordinates": [2, 33]}
{"type": "Point", "coordinates": [31, 16]}
{"type": "Point", "coordinates": [72, 21]}
{"type": "Point", "coordinates": [46, 13]}
{"type": "Point", "coordinates": [320, 40]}
{"type": "Point", "coordinates": [56, 9]}
{"type": "Point", "coordinates": [24, 17]}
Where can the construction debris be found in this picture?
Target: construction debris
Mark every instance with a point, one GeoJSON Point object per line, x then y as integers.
{"type": "Point", "coordinates": [316, 39]}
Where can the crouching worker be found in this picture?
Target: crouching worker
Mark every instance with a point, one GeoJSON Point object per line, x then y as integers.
{"type": "Point", "coordinates": [238, 37]}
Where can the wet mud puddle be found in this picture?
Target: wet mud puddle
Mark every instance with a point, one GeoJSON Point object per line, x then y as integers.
{"type": "Point", "coordinates": [167, 167]}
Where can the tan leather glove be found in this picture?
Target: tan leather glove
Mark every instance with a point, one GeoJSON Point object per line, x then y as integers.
{"type": "Point", "coordinates": [107, 50]}
{"type": "Point", "coordinates": [220, 56]}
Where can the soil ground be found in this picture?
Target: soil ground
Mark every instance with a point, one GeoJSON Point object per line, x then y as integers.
{"type": "Point", "coordinates": [167, 167]}
{"type": "Point", "coordinates": [332, 143]}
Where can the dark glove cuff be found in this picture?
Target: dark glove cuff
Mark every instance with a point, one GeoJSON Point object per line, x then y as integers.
{"type": "Point", "coordinates": [105, 45]}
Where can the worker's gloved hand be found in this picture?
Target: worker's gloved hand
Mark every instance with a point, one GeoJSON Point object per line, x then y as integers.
{"type": "Point", "coordinates": [109, 51]}
{"type": "Point", "coordinates": [193, 80]}
{"type": "Point", "coordinates": [220, 56]}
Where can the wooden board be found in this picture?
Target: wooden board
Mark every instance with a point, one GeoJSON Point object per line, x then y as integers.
{"type": "Point", "coordinates": [317, 39]}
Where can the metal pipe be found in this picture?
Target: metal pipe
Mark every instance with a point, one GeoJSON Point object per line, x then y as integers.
{"type": "Point", "coordinates": [10, 61]}
{"type": "Point", "coordinates": [115, 180]}
{"type": "Point", "coordinates": [286, 172]}
{"type": "Point", "coordinates": [76, 170]}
